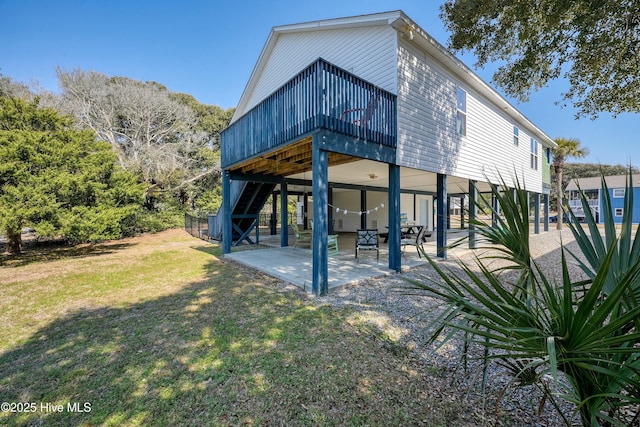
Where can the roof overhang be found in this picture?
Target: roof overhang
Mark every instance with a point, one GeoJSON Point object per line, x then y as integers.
{"type": "Point", "coordinates": [412, 31]}
{"type": "Point", "coordinates": [372, 20]}
{"type": "Point", "coordinates": [402, 24]}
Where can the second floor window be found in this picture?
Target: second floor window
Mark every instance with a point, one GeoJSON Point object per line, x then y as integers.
{"type": "Point", "coordinates": [534, 154]}
{"type": "Point", "coordinates": [461, 115]}
{"type": "Point", "coordinates": [516, 131]}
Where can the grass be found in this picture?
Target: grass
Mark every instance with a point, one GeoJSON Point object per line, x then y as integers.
{"type": "Point", "coordinates": [159, 330]}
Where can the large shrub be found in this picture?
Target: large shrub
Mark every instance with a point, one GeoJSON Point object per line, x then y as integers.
{"type": "Point", "coordinates": [59, 180]}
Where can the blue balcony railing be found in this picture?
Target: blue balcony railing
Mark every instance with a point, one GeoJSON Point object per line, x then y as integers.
{"type": "Point", "coordinates": [322, 96]}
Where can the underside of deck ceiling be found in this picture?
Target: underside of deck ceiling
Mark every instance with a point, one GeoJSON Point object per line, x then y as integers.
{"type": "Point", "coordinates": [295, 161]}
{"type": "Point", "coordinates": [292, 159]}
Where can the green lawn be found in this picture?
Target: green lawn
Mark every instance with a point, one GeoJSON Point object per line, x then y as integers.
{"type": "Point", "coordinates": [159, 331]}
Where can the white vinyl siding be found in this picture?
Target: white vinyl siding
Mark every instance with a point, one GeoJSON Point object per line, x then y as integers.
{"type": "Point", "coordinates": [427, 137]}
{"type": "Point", "coordinates": [368, 52]}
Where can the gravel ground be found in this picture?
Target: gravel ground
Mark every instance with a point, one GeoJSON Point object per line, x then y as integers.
{"type": "Point", "coordinates": [402, 319]}
{"type": "Point", "coordinates": [386, 304]}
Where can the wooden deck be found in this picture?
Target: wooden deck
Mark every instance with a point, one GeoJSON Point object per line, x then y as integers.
{"type": "Point", "coordinates": [324, 116]}
{"type": "Point", "coordinates": [273, 138]}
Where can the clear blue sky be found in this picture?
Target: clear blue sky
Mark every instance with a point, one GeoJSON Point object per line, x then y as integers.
{"type": "Point", "coordinates": [207, 48]}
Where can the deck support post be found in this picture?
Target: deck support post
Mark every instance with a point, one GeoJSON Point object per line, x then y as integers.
{"type": "Point", "coordinates": [284, 215]}
{"type": "Point", "coordinates": [443, 214]}
{"type": "Point", "coordinates": [495, 212]}
{"type": "Point", "coordinates": [363, 208]}
{"type": "Point", "coordinates": [227, 228]}
{"type": "Point", "coordinates": [305, 211]}
{"type": "Point", "coordinates": [473, 213]}
{"type": "Point", "coordinates": [546, 212]}
{"type": "Point", "coordinates": [415, 207]}
{"type": "Point", "coordinates": [320, 179]}
{"type": "Point", "coordinates": [536, 213]}
{"type": "Point", "coordinates": [274, 213]}
{"type": "Point", "coordinates": [395, 255]}
{"type": "Point", "coordinates": [330, 198]}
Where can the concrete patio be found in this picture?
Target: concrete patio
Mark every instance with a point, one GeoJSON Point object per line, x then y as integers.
{"type": "Point", "coordinates": [295, 265]}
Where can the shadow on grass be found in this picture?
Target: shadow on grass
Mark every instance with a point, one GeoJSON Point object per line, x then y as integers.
{"type": "Point", "coordinates": [55, 251]}
{"type": "Point", "coordinates": [215, 250]}
{"type": "Point", "coordinates": [224, 351]}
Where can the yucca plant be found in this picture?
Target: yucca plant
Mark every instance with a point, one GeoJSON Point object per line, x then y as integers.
{"type": "Point", "coordinates": [593, 245]}
{"type": "Point", "coordinates": [536, 326]}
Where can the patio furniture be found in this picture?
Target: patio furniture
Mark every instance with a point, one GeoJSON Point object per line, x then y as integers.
{"type": "Point", "coordinates": [367, 240]}
{"type": "Point", "coordinates": [406, 231]}
{"type": "Point", "coordinates": [332, 244]}
{"type": "Point", "coordinates": [365, 114]}
{"type": "Point", "coordinates": [302, 237]}
{"type": "Point", "coordinates": [416, 240]}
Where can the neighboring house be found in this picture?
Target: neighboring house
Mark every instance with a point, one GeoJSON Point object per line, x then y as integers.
{"type": "Point", "coordinates": [370, 114]}
{"type": "Point", "coordinates": [592, 189]}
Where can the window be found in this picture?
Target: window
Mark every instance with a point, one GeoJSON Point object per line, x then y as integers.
{"type": "Point", "coordinates": [618, 193]}
{"type": "Point", "coordinates": [516, 131]}
{"type": "Point", "coordinates": [618, 211]}
{"type": "Point", "coordinates": [534, 154]}
{"type": "Point", "coordinates": [548, 151]}
{"type": "Point", "coordinates": [461, 116]}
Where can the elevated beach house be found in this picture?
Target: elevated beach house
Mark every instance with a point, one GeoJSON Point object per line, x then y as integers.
{"type": "Point", "coordinates": [373, 107]}
{"type": "Point", "coordinates": [592, 189]}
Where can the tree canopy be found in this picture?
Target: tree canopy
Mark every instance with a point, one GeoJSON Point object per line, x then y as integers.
{"type": "Point", "coordinates": [153, 134]}
{"type": "Point", "coordinates": [594, 45]}
{"type": "Point", "coordinates": [60, 180]}
{"type": "Point", "coordinates": [170, 140]}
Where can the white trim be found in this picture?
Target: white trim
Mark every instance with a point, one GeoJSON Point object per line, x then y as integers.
{"type": "Point", "coordinates": [461, 111]}
{"type": "Point", "coordinates": [618, 190]}
{"type": "Point", "coordinates": [535, 158]}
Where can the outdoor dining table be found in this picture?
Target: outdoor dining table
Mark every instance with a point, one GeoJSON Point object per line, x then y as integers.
{"type": "Point", "coordinates": [405, 230]}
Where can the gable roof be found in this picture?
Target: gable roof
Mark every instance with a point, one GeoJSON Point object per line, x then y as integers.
{"type": "Point", "coordinates": [404, 25]}
{"type": "Point", "coordinates": [595, 183]}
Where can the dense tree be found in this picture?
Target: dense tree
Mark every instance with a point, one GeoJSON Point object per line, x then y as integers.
{"type": "Point", "coordinates": [565, 147]}
{"type": "Point", "coordinates": [585, 170]}
{"type": "Point", "coordinates": [594, 45]}
{"type": "Point", "coordinates": [211, 118]}
{"type": "Point", "coordinates": [153, 134]}
{"type": "Point", "coordinates": [9, 87]}
{"type": "Point", "coordinates": [170, 140]}
{"type": "Point", "coordinates": [204, 195]}
{"type": "Point", "coordinates": [60, 180]}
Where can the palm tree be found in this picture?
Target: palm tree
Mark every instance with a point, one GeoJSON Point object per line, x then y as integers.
{"type": "Point", "coordinates": [566, 147]}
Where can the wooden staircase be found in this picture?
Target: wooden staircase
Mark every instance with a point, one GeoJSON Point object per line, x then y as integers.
{"type": "Point", "coordinates": [246, 210]}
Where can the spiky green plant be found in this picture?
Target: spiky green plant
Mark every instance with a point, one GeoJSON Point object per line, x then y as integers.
{"type": "Point", "coordinates": [625, 245]}
{"type": "Point", "coordinates": [537, 326]}
{"type": "Point", "coordinates": [511, 234]}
